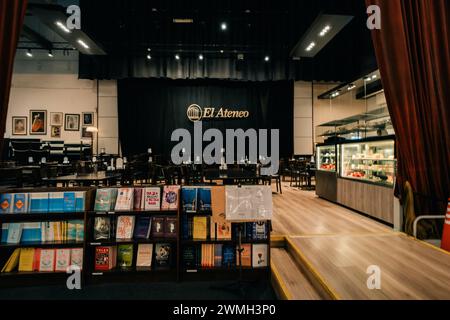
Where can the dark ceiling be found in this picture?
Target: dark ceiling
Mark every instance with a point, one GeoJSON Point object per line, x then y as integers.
{"type": "Point", "coordinates": [255, 28]}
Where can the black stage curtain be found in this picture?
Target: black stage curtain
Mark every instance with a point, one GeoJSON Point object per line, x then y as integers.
{"type": "Point", "coordinates": [150, 110]}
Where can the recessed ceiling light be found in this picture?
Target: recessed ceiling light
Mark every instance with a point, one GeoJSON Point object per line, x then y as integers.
{"type": "Point", "coordinates": [223, 26]}
{"type": "Point", "coordinates": [81, 42]}
{"type": "Point", "coordinates": [200, 57]}
{"type": "Point", "coordinates": [221, 51]}
{"type": "Point", "coordinates": [148, 49]}
{"type": "Point", "coordinates": [50, 54]}
{"type": "Point", "coordinates": [29, 53]}
{"type": "Point", "coordinates": [149, 57]}
{"type": "Point", "coordinates": [311, 46]}
{"type": "Point", "coordinates": [266, 58]}
{"type": "Point", "coordinates": [177, 57]}
{"type": "Point", "coordinates": [62, 26]}
{"type": "Point", "coordinates": [351, 87]}
{"type": "Point", "coordinates": [374, 77]}
{"type": "Point", "coordinates": [325, 30]}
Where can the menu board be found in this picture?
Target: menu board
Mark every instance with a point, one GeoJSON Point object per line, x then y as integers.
{"type": "Point", "coordinates": [248, 203]}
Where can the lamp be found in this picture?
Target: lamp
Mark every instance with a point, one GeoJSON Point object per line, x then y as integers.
{"type": "Point", "coordinates": [92, 130]}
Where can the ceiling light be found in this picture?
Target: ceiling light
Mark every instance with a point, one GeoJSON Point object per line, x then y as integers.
{"type": "Point", "coordinates": [351, 87]}
{"type": "Point", "coordinates": [240, 56]}
{"type": "Point", "coordinates": [200, 57]}
{"type": "Point", "coordinates": [223, 26]}
{"type": "Point", "coordinates": [62, 26]}
{"type": "Point", "coordinates": [367, 79]}
{"type": "Point", "coordinates": [266, 58]}
{"type": "Point", "coordinates": [148, 49]}
{"type": "Point", "coordinates": [311, 46]}
{"type": "Point", "coordinates": [177, 57]}
{"type": "Point", "coordinates": [83, 43]}
{"type": "Point", "coordinates": [183, 20]}
{"type": "Point", "coordinates": [374, 77]}
{"type": "Point", "coordinates": [149, 57]}
{"type": "Point", "coordinates": [221, 51]}
{"type": "Point", "coordinates": [324, 31]}
{"type": "Point", "coordinates": [29, 53]}
{"type": "Point", "coordinates": [50, 54]}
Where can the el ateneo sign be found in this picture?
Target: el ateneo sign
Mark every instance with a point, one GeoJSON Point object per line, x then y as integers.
{"type": "Point", "coordinates": [196, 113]}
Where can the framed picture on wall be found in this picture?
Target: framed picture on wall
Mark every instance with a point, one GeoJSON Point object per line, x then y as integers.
{"type": "Point", "coordinates": [85, 134]}
{"type": "Point", "coordinates": [88, 118]}
{"type": "Point", "coordinates": [38, 122]}
{"type": "Point", "coordinates": [19, 126]}
{"type": "Point", "coordinates": [56, 119]}
{"type": "Point", "coordinates": [55, 131]}
{"type": "Point", "coordinates": [72, 122]}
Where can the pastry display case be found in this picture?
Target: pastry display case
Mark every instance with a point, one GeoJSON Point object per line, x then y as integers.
{"type": "Point", "coordinates": [327, 157]}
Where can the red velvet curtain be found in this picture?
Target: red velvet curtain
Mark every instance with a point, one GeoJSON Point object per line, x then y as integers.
{"type": "Point", "coordinates": [12, 13]}
{"type": "Point", "coordinates": [413, 53]}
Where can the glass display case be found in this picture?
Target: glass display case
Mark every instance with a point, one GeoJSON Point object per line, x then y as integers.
{"type": "Point", "coordinates": [326, 158]}
{"type": "Point", "coordinates": [372, 161]}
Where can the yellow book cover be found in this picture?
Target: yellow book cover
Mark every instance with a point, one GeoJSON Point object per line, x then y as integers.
{"type": "Point", "coordinates": [26, 260]}
{"type": "Point", "coordinates": [13, 261]}
{"type": "Point", "coordinates": [200, 228]}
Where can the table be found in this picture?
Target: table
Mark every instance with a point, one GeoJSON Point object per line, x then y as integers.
{"type": "Point", "coordinates": [85, 180]}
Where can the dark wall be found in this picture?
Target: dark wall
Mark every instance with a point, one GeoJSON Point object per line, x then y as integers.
{"type": "Point", "coordinates": [150, 110]}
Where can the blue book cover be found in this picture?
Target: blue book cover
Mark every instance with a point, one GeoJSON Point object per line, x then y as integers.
{"type": "Point", "coordinates": [143, 228]}
{"type": "Point", "coordinates": [56, 202]}
{"type": "Point", "coordinates": [229, 256]}
{"type": "Point", "coordinates": [189, 199]}
{"type": "Point", "coordinates": [80, 201]}
{"type": "Point", "coordinates": [20, 204]}
{"type": "Point", "coordinates": [38, 202]}
{"type": "Point", "coordinates": [6, 200]}
{"type": "Point", "coordinates": [72, 230]}
{"type": "Point", "coordinates": [31, 232]}
{"type": "Point", "coordinates": [5, 227]}
{"type": "Point", "coordinates": [204, 199]}
{"type": "Point", "coordinates": [14, 233]}
{"type": "Point", "coordinates": [69, 202]}
{"type": "Point", "coordinates": [185, 227]}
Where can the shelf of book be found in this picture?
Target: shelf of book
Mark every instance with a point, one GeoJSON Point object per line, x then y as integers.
{"type": "Point", "coordinates": [47, 216]}
{"type": "Point", "coordinates": [131, 241]}
{"type": "Point", "coordinates": [39, 244]}
{"type": "Point", "coordinates": [133, 213]}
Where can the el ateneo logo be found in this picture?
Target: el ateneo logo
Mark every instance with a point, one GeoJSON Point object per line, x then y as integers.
{"type": "Point", "coordinates": [196, 113]}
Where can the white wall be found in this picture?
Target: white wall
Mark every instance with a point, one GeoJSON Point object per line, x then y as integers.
{"type": "Point", "coordinates": [303, 118]}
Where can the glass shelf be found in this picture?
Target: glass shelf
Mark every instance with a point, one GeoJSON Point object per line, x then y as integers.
{"type": "Point", "coordinates": [326, 158]}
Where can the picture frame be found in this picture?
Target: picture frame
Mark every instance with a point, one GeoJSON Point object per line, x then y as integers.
{"type": "Point", "coordinates": [88, 118]}
{"type": "Point", "coordinates": [19, 126]}
{"type": "Point", "coordinates": [38, 122]}
{"type": "Point", "coordinates": [56, 119]}
{"type": "Point", "coordinates": [55, 131]}
{"type": "Point", "coordinates": [85, 134]}
{"type": "Point", "coordinates": [71, 122]}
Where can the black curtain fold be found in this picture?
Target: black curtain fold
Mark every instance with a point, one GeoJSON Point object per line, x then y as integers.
{"type": "Point", "coordinates": [150, 110]}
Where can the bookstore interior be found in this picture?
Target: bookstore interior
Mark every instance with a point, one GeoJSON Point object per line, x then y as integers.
{"type": "Point", "coordinates": [225, 150]}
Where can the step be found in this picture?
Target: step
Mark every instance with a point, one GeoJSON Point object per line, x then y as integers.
{"type": "Point", "coordinates": [289, 281]}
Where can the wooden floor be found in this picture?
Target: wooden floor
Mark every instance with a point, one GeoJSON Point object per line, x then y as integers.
{"type": "Point", "coordinates": [340, 245]}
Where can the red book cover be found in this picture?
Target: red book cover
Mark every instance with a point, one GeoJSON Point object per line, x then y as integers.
{"type": "Point", "coordinates": [37, 260]}
{"type": "Point", "coordinates": [103, 258]}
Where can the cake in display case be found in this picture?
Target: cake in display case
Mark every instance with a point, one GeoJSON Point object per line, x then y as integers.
{"type": "Point", "coordinates": [369, 161]}
{"type": "Point", "coordinates": [326, 158]}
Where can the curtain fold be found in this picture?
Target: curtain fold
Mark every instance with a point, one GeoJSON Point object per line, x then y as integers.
{"type": "Point", "coordinates": [12, 14]}
{"type": "Point", "coordinates": [413, 53]}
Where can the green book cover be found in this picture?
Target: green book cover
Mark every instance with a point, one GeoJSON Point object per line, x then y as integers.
{"type": "Point", "coordinates": [125, 256]}
{"type": "Point", "coordinates": [103, 200]}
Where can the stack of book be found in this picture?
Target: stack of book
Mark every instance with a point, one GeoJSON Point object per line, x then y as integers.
{"type": "Point", "coordinates": [42, 202]}
{"type": "Point", "coordinates": [137, 199]}
{"type": "Point", "coordinates": [43, 260]}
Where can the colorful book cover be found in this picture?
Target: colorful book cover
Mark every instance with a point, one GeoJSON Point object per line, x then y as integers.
{"type": "Point", "coordinates": [70, 202]}
{"type": "Point", "coordinates": [103, 258]}
{"type": "Point", "coordinates": [5, 231]}
{"type": "Point", "coordinates": [80, 201]}
{"type": "Point", "coordinates": [170, 198]}
{"type": "Point", "coordinates": [143, 228]}
{"type": "Point", "coordinates": [14, 233]}
{"type": "Point", "coordinates": [6, 203]}
{"type": "Point", "coordinates": [37, 259]}
{"type": "Point", "coordinates": [20, 203]}
{"type": "Point", "coordinates": [200, 228]}
{"type": "Point", "coordinates": [204, 199]}
{"type": "Point", "coordinates": [102, 228]}
{"type": "Point", "coordinates": [171, 227]}
{"type": "Point", "coordinates": [218, 203]}
{"type": "Point", "coordinates": [55, 201]}
{"type": "Point", "coordinates": [189, 260]}
{"type": "Point", "coordinates": [103, 200]}
{"type": "Point", "coordinates": [260, 256]}
{"type": "Point", "coordinates": [80, 231]}
{"type": "Point", "coordinates": [229, 256]}
{"type": "Point", "coordinates": [218, 255]}
{"type": "Point", "coordinates": [72, 231]}
{"type": "Point", "coordinates": [152, 199]}
{"type": "Point", "coordinates": [26, 260]}
{"type": "Point", "coordinates": [138, 199]}
{"type": "Point", "coordinates": [158, 227]}
{"type": "Point", "coordinates": [260, 230]}
{"type": "Point", "coordinates": [125, 227]}
{"type": "Point", "coordinates": [144, 255]}
{"type": "Point", "coordinates": [38, 202]}
{"type": "Point", "coordinates": [47, 260]}
{"type": "Point", "coordinates": [124, 201]}
{"type": "Point", "coordinates": [76, 257]}
{"type": "Point", "coordinates": [189, 199]}
{"type": "Point", "coordinates": [125, 255]}
{"type": "Point", "coordinates": [31, 232]}
{"type": "Point", "coordinates": [246, 255]}
{"type": "Point", "coordinates": [62, 260]}
{"type": "Point", "coordinates": [163, 255]}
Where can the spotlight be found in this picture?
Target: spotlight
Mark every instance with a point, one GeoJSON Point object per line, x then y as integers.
{"type": "Point", "coordinates": [148, 49]}
{"type": "Point", "coordinates": [351, 87]}
{"type": "Point", "coordinates": [221, 51]}
{"type": "Point", "coordinates": [374, 77]}
{"type": "Point", "coordinates": [200, 57]}
{"type": "Point", "coordinates": [29, 53]}
{"type": "Point", "coordinates": [324, 31]}
{"type": "Point", "coordinates": [177, 57]}
{"type": "Point", "coordinates": [223, 26]}
{"type": "Point", "coordinates": [62, 26]}
{"type": "Point", "coordinates": [149, 57]}
{"type": "Point", "coordinates": [311, 46]}
{"type": "Point", "coordinates": [50, 54]}
{"type": "Point", "coordinates": [83, 43]}
{"type": "Point", "coordinates": [266, 58]}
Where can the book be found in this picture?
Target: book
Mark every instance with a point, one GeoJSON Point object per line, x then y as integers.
{"type": "Point", "coordinates": [200, 228]}
{"type": "Point", "coordinates": [31, 232]}
{"type": "Point", "coordinates": [26, 260]}
{"type": "Point", "coordinates": [6, 203]}
{"type": "Point", "coordinates": [144, 255]}
{"type": "Point", "coordinates": [37, 259]}
{"type": "Point", "coordinates": [152, 199]}
{"type": "Point", "coordinates": [143, 228]}
{"type": "Point", "coordinates": [104, 199]}
{"type": "Point", "coordinates": [189, 260]}
{"type": "Point", "coordinates": [189, 199]}
{"type": "Point", "coordinates": [104, 258]}
{"type": "Point", "coordinates": [220, 227]}
{"type": "Point", "coordinates": [56, 202]}
{"type": "Point", "coordinates": [47, 260]}
{"type": "Point", "coordinates": [72, 230]}
{"type": "Point", "coordinates": [76, 257]}
{"type": "Point", "coordinates": [102, 228]}
{"type": "Point", "coordinates": [259, 255]}
{"type": "Point", "coordinates": [5, 229]}
{"type": "Point", "coordinates": [218, 255]}
{"type": "Point", "coordinates": [125, 255]}
{"type": "Point", "coordinates": [70, 202]}
{"type": "Point", "coordinates": [158, 227]}
{"type": "Point", "coordinates": [125, 227]}
{"type": "Point", "coordinates": [20, 204]}
{"type": "Point", "coordinates": [14, 233]}
{"type": "Point", "coordinates": [62, 259]}
{"type": "Point", "coordinates": [38, 202]}
{"type": "Point", "coordinates": [80, 201]}
{"type": "Point", "coordinates": [204, 199]}
{"type": "Point", "coordinates": [248, 203]}
{"type": "Point", "coordinates": [138, 199]}
{"type": "Point", "coordinates": [124, 201]}
{"type": "Point", "coordinates": [171, 227]}
{"type": "Point", "coordinates": [170, 198]}
{"type": "Point", "coordinates": [12, 262]}
{"type": "Point", "coordinates": [229, 256]}
{"type": "Point", "coordinates": [246, 255]}
{"type": "Point", "coordinates": [163, 255]}
{"type": "Point", "coordinates": [260, 230]}
{"type": "Point", "coordinates": [80, 231]}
